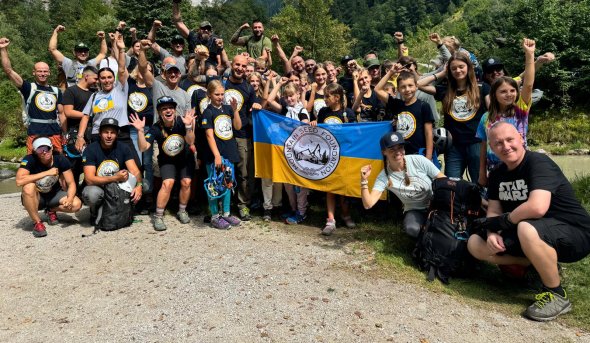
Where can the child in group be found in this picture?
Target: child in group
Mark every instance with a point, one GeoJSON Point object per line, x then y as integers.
{"type": "Point", "coordinates": [335, 112]}
{"type": "Point", "coordinates": [219, 121]}
{"type": "Point", "coordinates": [289, 105]}
{"type": "Point", "coordinates": [411, 117]}
{"type": "Point", "coordinates": [366, 103]}
{"type": "Point", "coordinates": [507, 104]}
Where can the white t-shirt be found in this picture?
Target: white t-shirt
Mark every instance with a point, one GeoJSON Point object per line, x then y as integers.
{"type": "Point", "coordinates": [109, 105]}
{"type": "Point", "coordinates": [417, 195]}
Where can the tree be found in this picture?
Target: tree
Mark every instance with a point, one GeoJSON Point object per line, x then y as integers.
{"type": "Point", "coordinates": [308, 23]}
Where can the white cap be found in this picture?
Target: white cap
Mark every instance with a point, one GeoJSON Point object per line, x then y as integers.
{"type": "Point", "coordinates": [41, 141]}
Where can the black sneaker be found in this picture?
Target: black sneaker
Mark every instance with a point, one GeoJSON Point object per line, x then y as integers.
{"type": "Point", "coordinates": [267, 216]}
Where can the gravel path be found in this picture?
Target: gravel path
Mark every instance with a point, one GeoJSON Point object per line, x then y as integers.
{"type": "Point", "coordinates": [257, 283]}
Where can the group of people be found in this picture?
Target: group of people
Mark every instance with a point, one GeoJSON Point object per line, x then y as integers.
{"type": "Point", "coordinates": [116, 115]}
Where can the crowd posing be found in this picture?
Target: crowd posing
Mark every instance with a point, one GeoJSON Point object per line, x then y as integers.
{"type": "Point", "coordinates": [182, 128]}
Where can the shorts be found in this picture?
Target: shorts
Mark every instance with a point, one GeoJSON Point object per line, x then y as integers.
{"type": "Point", "coordinates": [570, 242]}
{"type": "Point", "coordinates": [49, 200]}
{"type": "Point", "coordinates": [56, 140]}
{"type": "Point", "coordinates": [170, 171]}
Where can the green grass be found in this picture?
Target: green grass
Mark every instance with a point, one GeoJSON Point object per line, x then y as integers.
{"type": "Point", "coordinates": [557, 133]}
{"type": "Point", "coordinates": [9, 150]}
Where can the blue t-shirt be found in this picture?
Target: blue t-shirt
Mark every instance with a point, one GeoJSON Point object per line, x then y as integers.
{"type": "Point", "coordinates": [48, 185]}
{"type": "Point", "coordinates": [43, 106]}
{"type": "Point", "coordinates": [171, 143]}
{"type": "Point", "coordinates": [220, 120]}
{"type": "Point", "coordinates": [107, 162]}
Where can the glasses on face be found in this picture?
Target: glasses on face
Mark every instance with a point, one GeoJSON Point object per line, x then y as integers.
{"type": "Point", "coordinates": [208, 29]}
{"type": "Point", "coordinates": [43, 150]}
{"type": "Point", "coordinates": [81, 51]}
{"type": "Point", "coordinates": [495, 69]}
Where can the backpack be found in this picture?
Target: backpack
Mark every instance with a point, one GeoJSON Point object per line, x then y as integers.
{"type": "Point", "coordinates": [25, 115]}
{"type": "Point", "coordinates": [441, 249]}
{"type": "Point", "coordinates": [117, 211]}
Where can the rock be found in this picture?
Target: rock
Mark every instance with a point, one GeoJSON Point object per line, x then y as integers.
{"type": "Point", "coordinates": [6, 173]}
{"type": "Point", "coordinates": [13, 160]}
{"type": "Point", "coordinates": [542, 151]}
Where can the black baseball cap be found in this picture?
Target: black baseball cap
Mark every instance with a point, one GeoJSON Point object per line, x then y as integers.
{"type": "Point", "coordinates": [81, 47]}
{"type": "Point", "coordinates": [165, 100]}
{"type": "Point", "coordinates": [391, 139]}
{"type": "Point", "coordinates": [345, 59]}
{"type": "Point", "coordinates": [177, 38]}
{"type": "Point", "coordinates": [106, 122]}
{"type": "Point", "coordinates": [492, 63]}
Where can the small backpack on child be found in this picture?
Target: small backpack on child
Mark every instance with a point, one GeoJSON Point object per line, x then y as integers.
{"type": "Point", "coordinates": [441, 249]}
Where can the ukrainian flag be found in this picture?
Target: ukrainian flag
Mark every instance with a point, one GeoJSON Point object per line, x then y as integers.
{"type": "Point", "coordinates": [326, 158]}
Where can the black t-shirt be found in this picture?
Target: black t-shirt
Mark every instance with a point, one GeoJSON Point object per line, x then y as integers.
{"type": "Point", "coordinates": [462, 122]}
{"type": "Point", "coordinates": [107, 162]}
{"type": "Point", "coordinates": [246, 96]}
{"type": "Point", "coordinates": [373, 109]}
{"type": "Point", "coordinates": [537, 172]}
{"type": "Point", "coordinates": [77, 97]}
{"type": "Point", "coordinates": [220, 121]}
{"type": "Point", "coordinates": [328, 116]}
{"type": "Point", "coordinates": [43, 106]}
{"type": "Point", "coordinates": [171, 143]}
{"type": "Point", "coordinates": [348, 84]}
{"type": "Point", "coordinates": [48, 184]}
{"type": "Point", "coordinates": [200, 101]}
{"type": "Point", "coordinates": [191, 86]}
{"type": "Point", "coordinates": [410, 122]}
{"type": "Point", "coordinates": [194, 40]}
{"type": "Point", "coordinates": [140, 101]}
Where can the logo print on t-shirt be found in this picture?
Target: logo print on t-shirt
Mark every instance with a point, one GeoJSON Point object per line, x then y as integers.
{"type": "Point", "coordinates": [103, 104]}
{"type": "Point", "coordinates": [418, 190]}
{"type": "Point", "coordinates": [460, 111]}
{"type": "Point", "coordinates": [406, 124]}
{"type": "Point", "coordinates": [318, 104]}
{"type": "Point", "coordinates": [312, 152]}
{"type": "Point", "coordinates": [137, 101]}
{"type": "Point", "coordinates": [203, 104]}
{"type": "Point", "coordinates": [332, 120]}
{"type": "Point", "coordinates": [45, 184]}
{"type": "Point", "coordinates": [45, 101]}
{"type": "Point", "coordinates": [222, 127]}
{"type": "Point", "coordinates": [173, 145]}
{"type": "Point", "coordinates": [513, 191]}
{"type": "Point", "coordinates": [107, 168]}
{"type": "Point", "coordinates": [193, 89]}
{"type": "Point", "coordinates": [233, 94]}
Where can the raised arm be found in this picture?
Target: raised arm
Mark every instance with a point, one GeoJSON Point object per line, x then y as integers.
{"type": "Point", "coordinates": [369, 198]}
{"type": "Point", "coordinates": [282, 56]}
{"type": "Point", "coordinates": [379, 88]}
{"type": "Point", "coordinates": [236, 39]}
{"type": "Point", "coordinates": [102, 53]}
{"type": "Point", "coordinates": [152, 35]}
{"type": "Point", "coordinates": [13, 76]}
{"type": "Point", "coordinates": [296, 51]}
{"type": "Point", "coordinates": [177, 19]}
{"type": "Point", "coordinates": [399, 39]}
{"type": "Point", "coordinates": [142, 63]}
{"type": "Point", "coordinates": [119, 44]}
{"type": "Point", "coordinates": [272, 98]}
{"type": "Point", "coordinates": [57, 55]}
{"type": "Point", "coordinates": [529, 70]}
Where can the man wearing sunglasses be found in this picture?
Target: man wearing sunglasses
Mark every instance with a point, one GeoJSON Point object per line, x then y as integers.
{"type": "Point", "coordinates": [41, 175]}
{"type": "Point", "coordinates": [176, 46]}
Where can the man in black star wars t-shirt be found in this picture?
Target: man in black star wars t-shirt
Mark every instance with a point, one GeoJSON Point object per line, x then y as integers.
{"type": "Point", "coordinates": [533, 219]}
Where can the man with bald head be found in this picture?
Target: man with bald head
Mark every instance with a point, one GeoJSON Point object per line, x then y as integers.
{"type": "Point", "coordinates": [236, 87]}
{"type": "Point", "coordinates": [43, 103]}
{"type": "Point", "coordinates": [534, 219]}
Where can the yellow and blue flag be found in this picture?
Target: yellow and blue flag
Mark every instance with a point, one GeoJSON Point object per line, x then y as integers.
{"type": "Point", "coordinates": [327, 157]}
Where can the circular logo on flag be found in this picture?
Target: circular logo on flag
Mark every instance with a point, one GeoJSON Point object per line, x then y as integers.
{"type": "Point", "coordinates": [312, 152]}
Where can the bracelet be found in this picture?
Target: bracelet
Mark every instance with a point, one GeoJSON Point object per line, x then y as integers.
{"type": "Point", "coordinates": [364, 187]}
{"type": "Point", "coordinates": [364, 182]}
{"type": "Point", "coordinates": [139, 184]}
{"type": "Point", "coordinates": [190, 127]}
{"type": "Point", "coordinates": [435, 77]}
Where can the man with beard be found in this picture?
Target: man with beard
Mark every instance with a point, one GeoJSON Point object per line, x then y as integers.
{"type": "Point", "coordinates": [256, 43]}
{"type": "Point", "coordinates": [39, 175]}
{"type": "Point", "coordinates": [203, 37]}
{"type": "Point", "coordinates": [106, 161]}
{"type": "Point", "coordinates": [73, 68]}
{"type": "Point", "coordinates": [236, 87]}
{"type": "Point", "coordinates": [42, 103]}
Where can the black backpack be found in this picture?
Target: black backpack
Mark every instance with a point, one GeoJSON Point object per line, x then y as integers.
{"type": "Point", "coordinates": [117, 211]}
{"type": "Point", "coordinates": [441, 249]}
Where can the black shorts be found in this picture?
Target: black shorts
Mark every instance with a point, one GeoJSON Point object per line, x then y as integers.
{"type": "Point", "coordinates": [570, 242]}
{"type": "Point", "coordinates": [49, 200]}
{"type": "Point", "coordinates": [170, 171]}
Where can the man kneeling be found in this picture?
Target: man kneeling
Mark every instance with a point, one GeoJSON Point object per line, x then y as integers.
{"type": "Point", "coordinates": [39, 175]}
{"type": "Point", "coordinates": [533, 219]}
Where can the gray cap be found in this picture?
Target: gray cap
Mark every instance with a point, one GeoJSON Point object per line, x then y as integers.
{"type": "Point", "coordinates": [205, 23]}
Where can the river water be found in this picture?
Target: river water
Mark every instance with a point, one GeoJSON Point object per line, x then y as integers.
{"type": "Point", "coordinates": [572, 166]}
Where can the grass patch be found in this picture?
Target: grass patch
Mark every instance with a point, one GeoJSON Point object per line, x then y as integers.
{"type": "Point", "coordinates": [557, 133]}
{"type": "Point", "coordinates": [9, 150]}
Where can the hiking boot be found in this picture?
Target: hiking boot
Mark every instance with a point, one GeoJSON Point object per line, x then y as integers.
{"type": "Point", "coordinates": [296, 218]}
{"type": "Point", "coordinates": [183, 217]}
{"type": "Point", "coordinates": [548, 306]}
{"type": "Point", "coordinates": [245, 214]}
{"type": "Point", "coordinates": [267, 216]}
{"type": "Point", "coordinates": [159, 224]}
{"type": "Point", "coordinates": [232, 220]}
{"type": "Point", "coordinates": [39, 230]}
{"type": "Point", "coordinates": [220, 223]}
{"type": "Point", "coordinates": [329, 228]}
{"type": "Point", "coordinates": [349, 222]}
{"type": "Point", "coordinates": [51, 217]}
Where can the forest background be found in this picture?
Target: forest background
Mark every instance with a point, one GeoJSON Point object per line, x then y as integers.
{"type": "Point", "coordinates": [330, 29]}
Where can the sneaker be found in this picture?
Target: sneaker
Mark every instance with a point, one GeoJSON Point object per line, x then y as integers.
{"type": "Point", "coordinates": [183, 217]}
{"type": "Point", "coordinates": [349, 222]}
{"type": "Point", "coordinates": [267, 216]}
{"type": "Point", "coordinates": [548, 306]}
{"type": "Point", "coordinates": [220, 223]}
{"type": "Point", "coordinates": [51, 217]}
{"type": "Point", "coordinates": [232, 220]}
{"type": "Point", "coordinates": [286, 215]}
{"type": "Point", "coordinates": [329, 228]}
{"type": "Point", "coordinates": [159, 224]}
{"type": "Point", "coordinates": [245, 214]}
{"type": "Point", "coordinates": [39, 230]}
{"type": "Point", "coordinates": [295, 219]}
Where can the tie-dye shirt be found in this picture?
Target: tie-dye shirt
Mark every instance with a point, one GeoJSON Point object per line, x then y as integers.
{"type": "Point", "coordinates": [520, 120]}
